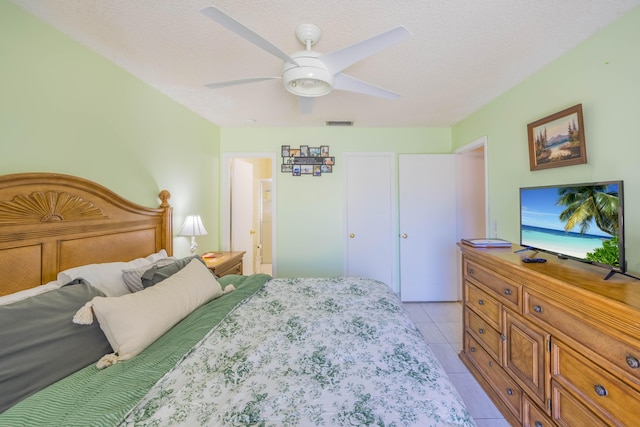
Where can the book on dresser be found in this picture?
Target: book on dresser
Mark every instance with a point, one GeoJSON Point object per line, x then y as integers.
{"type": "Point", "coordinates": [486, 242]}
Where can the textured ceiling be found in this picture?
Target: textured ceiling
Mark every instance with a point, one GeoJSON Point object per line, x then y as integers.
{"type": "Point", "coordinates": [462, 53]}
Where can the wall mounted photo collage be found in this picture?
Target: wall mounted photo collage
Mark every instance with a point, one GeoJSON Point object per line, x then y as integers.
{"type": "Point", "coordinates": [307, 160]}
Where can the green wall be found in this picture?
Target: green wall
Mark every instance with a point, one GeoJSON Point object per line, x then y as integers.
{"type": "Point", "coordinates": [602, 74]}
{"type": "Point", "coordinates": [66, 109]}
{"type": "Point", "coordinates": [310, 209]}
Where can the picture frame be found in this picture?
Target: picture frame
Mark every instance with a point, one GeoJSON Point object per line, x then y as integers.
{"type": "Point", "coordinates": [306, 160]}
{"type": "Point", "coordinates": [557, 140]}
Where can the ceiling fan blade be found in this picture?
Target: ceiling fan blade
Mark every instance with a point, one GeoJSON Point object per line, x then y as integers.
{"type": "Point", "coordinates": [306, 104]}
{"type": "Point", "coordinates": [225, 20]}
{"type": "Point", "coordinates": [351, 84]}
{"type": "Point", "coordinates": [239, 82]}
{"type": "Point", "coordinates": [340, 59]}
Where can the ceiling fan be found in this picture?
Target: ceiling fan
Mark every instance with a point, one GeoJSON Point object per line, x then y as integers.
{"type": "Point", "coordinates": [310, 74]}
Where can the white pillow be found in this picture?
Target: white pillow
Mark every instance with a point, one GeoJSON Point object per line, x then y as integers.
{"type": "Point", "coordinates": [157, 256]}
{"type": "Point", "coordinates": [20, 295]}
{"type": "Point", "coordinates": [106, 277]}
{"type": "Point", "coordinates": [133, 321]}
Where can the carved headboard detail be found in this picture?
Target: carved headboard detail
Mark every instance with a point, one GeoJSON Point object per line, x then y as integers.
{"type": "Point", "coordinates": [51, 222]}
{"type": "Point", "coordinates": [47, 207]}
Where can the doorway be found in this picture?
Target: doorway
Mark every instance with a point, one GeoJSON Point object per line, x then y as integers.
{"type": "Point", "coordinates": [472, 219]}
{"type": "Point", "coordinates": [248, 221]}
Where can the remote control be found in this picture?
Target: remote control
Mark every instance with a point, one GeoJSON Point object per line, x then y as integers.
{"type": "Point", "coordinates": [534, 260]}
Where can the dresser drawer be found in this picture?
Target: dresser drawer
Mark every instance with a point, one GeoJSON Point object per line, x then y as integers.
{"type": "Point", "coordinates": [569, 412]}
{"type": "Point", "coordinates": [503, 385]}
{"type": "Point", "coordinates": [598, 388]}
{"type": "Point", "coordinates": [483, 304]}
{"type": "Point", "coordinates": [534, 416]}
{"type": "Point", "coordinates": [623, 355]}
{"type": "Point", "coordinates": [504, 290]}
{"type": "Point", "coordinates": [226, 270]}
{"type": "Point", "coordinates": [488, 337]}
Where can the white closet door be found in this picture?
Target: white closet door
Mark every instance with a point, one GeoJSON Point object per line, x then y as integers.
{"type": "Point", "coordinates": [370, 206]}
{"type": "Point", "coordinates": [427, 227]}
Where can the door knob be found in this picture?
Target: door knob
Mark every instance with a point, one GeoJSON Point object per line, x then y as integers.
{"type": "Point", "coordinates": [404, 235]}
{"type": "Point", "coordinates": [352, 235]}
{"type": "Point", "coordinates": [252, 232]}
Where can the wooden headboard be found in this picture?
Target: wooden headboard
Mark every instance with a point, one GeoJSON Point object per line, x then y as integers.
{"type": "Point", "coordinates": [51, 222]}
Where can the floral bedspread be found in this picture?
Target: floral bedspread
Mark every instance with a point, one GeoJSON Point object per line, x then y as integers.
{"type": "Point", "coordinates": [308, 352]}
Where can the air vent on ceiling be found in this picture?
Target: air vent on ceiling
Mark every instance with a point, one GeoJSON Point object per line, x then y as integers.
{"type": "Point", "coordinates": [339, 123]}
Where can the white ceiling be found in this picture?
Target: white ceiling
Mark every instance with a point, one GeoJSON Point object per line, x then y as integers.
{"type": "Point", "coordinates": [462, 54]}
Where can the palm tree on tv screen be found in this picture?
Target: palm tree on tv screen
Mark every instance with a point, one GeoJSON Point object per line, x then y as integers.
{"type": "Point", "coordinates": [587, 203]}
{"type": "Point", "coordinates": [584, 204]}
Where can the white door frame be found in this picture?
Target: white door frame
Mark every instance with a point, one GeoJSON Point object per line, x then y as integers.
{"type": "Point", "coordinates": [481, 142]}
{"type": "Point", "coordinates": [225, 200]}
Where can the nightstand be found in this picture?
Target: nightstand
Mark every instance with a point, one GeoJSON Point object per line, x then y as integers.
{"type": "Point", "coordinates": [223, 263]}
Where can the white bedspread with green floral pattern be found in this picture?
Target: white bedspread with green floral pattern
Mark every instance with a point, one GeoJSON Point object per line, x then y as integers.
{"type": "Point", "coordinates": [308, 352]}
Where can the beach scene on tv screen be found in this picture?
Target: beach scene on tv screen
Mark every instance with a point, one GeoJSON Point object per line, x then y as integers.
{"type": "Point", "coordinates": [573, 221]}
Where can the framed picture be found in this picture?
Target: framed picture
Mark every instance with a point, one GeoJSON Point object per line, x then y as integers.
{"type": "Point", "coordinates": [557, 140]}
{"type": "Point", "coordinates": [304, 151]}
{"type": "Point", "coordinates": [285, 151]}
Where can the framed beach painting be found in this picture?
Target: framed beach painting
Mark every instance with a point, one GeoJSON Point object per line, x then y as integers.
{"type": "Point", "coordinates": [557, 140]}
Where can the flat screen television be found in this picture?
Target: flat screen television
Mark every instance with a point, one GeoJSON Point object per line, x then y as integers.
{"type": "Point", "coordinates": [579, 221]}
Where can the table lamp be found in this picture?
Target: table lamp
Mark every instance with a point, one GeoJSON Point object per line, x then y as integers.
{"type": "Point", "coordinates": [193, 227]}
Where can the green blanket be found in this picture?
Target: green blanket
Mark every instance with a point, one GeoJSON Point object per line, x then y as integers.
{"type": "Point", "coordinates": [93, 397]}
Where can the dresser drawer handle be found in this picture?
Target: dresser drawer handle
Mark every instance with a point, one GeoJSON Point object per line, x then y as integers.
{"type": "Point", "coordinates": [507, 291]}
{"type": "Point", "coordinates": [510, 392]}
{"type": "Point", "coordinates": [503, 338]}
{"type": "Point", "coordinates": [472, 349]}
{"type": "Point", "coordinates": [600, 390]}
{"type": "Point", "coordinates": [537, 309]}
{"type": "Point", "coordinates": [481, 331]}
{"type": "Point", "coordinates": [633, 362]}
{"type": "Point", "coordinates": [470, 270]}
{"type": "Point", "coordinates": [538, 424]}
{"type": "Point", "coordinates": [480, 302]}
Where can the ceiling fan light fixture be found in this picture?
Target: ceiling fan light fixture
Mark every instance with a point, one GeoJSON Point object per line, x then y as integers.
{"type": "Point", "coordinates": [310, 77]}
{"type": "Point", "coordinates": [308, 81]}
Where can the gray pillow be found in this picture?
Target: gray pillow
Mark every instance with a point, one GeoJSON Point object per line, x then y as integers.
{"type": "Point", "coordinates": [133, 277]}
{"type": "Point", "coordinates": [41, 344]}
{"type": "Point", "coordinates": [158, 273]}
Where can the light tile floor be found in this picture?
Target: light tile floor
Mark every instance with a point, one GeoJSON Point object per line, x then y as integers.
{"type": "Point", "coordinates": [441, 327]}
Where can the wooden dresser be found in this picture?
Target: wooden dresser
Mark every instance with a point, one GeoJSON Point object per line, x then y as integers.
{"type": "Point", "coordinates": [553, 343]}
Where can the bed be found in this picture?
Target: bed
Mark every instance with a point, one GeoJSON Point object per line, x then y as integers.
{"type": "Point", "coordinates": [178, 346]}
